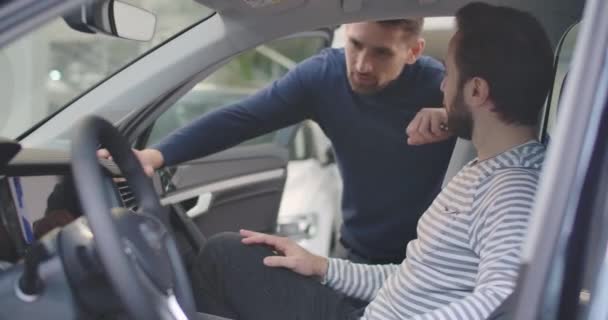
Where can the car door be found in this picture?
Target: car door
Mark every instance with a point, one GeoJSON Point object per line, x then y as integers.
{"type": "Point", "coordinates": [564, 260]}
{"type": "Point", "coordinates": [240, 187]}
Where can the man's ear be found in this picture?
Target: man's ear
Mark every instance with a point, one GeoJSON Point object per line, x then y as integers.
{"type": "Point", "coordinates": [416, 49]}
{"type": "Point", "coordinates": [478, 91]}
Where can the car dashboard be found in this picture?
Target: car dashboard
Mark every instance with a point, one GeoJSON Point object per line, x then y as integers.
{"type": "Point", "coordinates": [36, 183]}
{"type": "Point", "coordinates": [37, 199]}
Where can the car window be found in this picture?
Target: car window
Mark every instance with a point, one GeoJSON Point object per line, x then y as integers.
{"type": "Point", "coordinates": [563, 59]}
{"type": "Point", "coordinates": [57, 64]}
{"type": "Point", "coordinates": [239, 78]}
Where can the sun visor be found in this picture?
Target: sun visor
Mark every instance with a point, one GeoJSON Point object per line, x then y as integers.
{"type": "Point", "coordinates": [251, 7]}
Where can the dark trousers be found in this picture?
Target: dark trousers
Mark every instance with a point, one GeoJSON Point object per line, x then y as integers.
{"type": "Point", "coordinates": [342, 251]}
{"type": "Point", "coordinates": [230, 280]}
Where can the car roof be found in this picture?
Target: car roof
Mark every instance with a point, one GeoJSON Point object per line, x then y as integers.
{"type": "Point", "coordinates": [384, 8]}
{"type": "Point", "coordinates": [332, 12]}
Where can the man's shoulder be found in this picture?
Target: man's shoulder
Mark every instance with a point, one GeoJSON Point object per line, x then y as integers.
{"type": "Point", "coordinates": [426, 71]}
{"type": "Point", "coordinates": [325, 64]}
{"type": "Point", "coordinates": [509, 184]}
{"type": "Point", "coordinates": [330, 60]}
{"type": "Point", "coordinates": [427, 66]}
{"type": "Point", "coordinates": [513, 174]}
{"type": "Point", "coordinates": [327, 55]}
{"type": "Point", "coordinates": [430, 63]}
{"type": "Point", "coordinates": [528, 157]}
{"type": "Point", "coordinates": [501, 178]}
{"type": "Point", "coordinates": [333, 54]}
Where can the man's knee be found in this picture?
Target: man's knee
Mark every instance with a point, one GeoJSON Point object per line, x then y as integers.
{"type": "Point", "coordinates": [222, 244]}
{"type": "Point", "coordinates": [225, 251]}
{"type": "Point", "coordinates": [215, 259]}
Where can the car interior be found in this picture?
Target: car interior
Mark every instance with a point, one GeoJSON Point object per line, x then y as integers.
{"type": "Point", "coordinates": [123, 224]}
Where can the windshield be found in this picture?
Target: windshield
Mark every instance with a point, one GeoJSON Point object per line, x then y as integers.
{"type": "Point", "coordinates": [46, 69]}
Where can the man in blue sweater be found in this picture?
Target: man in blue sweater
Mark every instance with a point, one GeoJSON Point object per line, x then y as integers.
{"type": "Point", "coordinates": [363, 97]}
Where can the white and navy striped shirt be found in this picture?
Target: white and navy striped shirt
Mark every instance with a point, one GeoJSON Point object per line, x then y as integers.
{"type": "Point", "coordinates": [466, 258]}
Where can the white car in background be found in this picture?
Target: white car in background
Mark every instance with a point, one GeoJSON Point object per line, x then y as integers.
{"type": "Point", "coordinates": [310, 209]}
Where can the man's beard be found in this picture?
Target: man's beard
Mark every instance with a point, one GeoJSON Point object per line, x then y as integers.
{"type": "Point", "coordinates": [363, 89]}
{"type": "Point", "coordinates": [460, 119]}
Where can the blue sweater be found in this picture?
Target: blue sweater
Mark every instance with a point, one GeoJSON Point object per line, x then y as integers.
{"type": "Point", "coordinates": [388, 184]}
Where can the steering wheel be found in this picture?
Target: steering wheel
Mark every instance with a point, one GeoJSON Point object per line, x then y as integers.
{"type": "Point", "coordinates": [136, 249]}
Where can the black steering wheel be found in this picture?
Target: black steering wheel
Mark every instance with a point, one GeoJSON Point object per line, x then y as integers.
{"type": "Point", "coordinates": [136, 249]}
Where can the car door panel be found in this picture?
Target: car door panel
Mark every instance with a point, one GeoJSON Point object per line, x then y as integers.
{"type": "Point", "coordinates": [238, 188]}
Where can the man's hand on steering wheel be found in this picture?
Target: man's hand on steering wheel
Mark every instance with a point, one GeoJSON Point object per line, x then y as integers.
{"type": "Point", "coordinates": [150, 159]}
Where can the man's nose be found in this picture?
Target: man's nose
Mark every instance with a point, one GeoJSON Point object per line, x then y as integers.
{"type": "Point", "coordinates": [364, 64]}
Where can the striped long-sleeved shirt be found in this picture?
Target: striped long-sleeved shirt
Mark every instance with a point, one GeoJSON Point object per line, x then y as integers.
{"type": "Point", "coordinates": [465, 260]}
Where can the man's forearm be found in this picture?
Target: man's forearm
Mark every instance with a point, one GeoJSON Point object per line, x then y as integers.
{"type": "Point", "coordinates": [357, 280]}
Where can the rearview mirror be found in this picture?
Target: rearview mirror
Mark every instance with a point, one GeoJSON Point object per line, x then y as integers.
{"type": "Point", "coordinates": [114, 18]}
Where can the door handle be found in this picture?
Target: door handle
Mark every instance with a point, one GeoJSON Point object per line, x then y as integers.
{"type": "Point", "coordinates": [202, 205]}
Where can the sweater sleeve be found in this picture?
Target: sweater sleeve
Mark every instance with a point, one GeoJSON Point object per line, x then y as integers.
{"type": "Point", "coordinates": [361, 281]}
{"type": "Point", "coordinates": [285, 102]}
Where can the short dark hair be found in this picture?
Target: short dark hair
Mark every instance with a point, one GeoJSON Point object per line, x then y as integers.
{"type": "Point", "coordinates": [413, 26]}
{"type": "Point", "coordinates": [511, 51]}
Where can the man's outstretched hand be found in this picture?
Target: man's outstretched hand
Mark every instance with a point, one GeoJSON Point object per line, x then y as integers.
{"type": "Point", "coordinates": [291, 255]}
{"type": "Point", "coordinates": [428, 126]}
{"type": "Point", "coordinates": [150, 159]}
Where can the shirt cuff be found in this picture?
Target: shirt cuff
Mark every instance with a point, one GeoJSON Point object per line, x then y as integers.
{"type": "Point", "coordinates": [332, 276]}
{"type": "Point", "coordinates": [326, 276]}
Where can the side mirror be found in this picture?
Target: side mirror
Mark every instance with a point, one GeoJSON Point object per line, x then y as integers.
{"type": "Point", "coordinates": [113, 18]}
